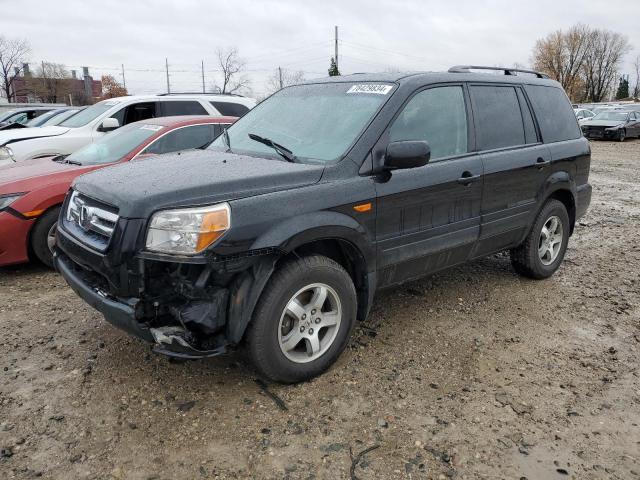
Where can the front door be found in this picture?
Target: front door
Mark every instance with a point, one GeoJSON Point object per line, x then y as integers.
{"type": "Point", "coordinates": [428, 218]}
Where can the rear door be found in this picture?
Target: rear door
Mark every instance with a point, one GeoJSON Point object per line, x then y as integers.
{"type": "Point", "coordinates": [428, 218]}
{"type": "Point", "coordinates": [514, 162]}
{"type": "Point", "coordinates": [170, 108]}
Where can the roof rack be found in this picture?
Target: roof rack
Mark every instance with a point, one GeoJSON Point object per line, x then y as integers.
{"type": "Point", "coordinates": [506, 70]}
{"type": "Point", "coordinates": [198, 93]}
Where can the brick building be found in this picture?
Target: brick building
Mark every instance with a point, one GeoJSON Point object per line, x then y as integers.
{"type": "Point", "coordinates": [28, 87]}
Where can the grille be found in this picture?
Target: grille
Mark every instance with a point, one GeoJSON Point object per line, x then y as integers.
{"type": "Point", "coordinates": [90, 221]}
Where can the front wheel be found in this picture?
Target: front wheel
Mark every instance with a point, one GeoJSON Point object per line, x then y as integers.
{"type": "Point", "coordinates": [543, 250]}
{"type": "Point", "coordinates": [622, 135]}
{"type": "Point", "coordinates": [43, 236]}
{"type": "Point", "coordinates": [303, 321]}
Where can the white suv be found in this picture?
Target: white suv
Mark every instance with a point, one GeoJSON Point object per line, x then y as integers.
{"type": "Point", "coordinates": [96, 120]}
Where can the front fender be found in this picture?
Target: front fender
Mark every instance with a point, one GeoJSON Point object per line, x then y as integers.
{"type": "Point", "coordinates": [296, 231]}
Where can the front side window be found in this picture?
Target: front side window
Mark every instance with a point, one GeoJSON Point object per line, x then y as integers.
{"type": "Point", "coordinates": [139, 111]}
{"type": "Point", "coordinates": [438, 116]}
{"type": "Point", "coordinates": [115, 146]}
{"type": "Point", "coordinates": [497, 117]}
{"type": "Point", "coordinates": [317, 123]}
{"type": "Point", "coordinates": [196, 136]}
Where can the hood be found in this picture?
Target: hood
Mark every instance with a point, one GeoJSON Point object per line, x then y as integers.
{"type": "Point", "coordinates": [24, 176]}
{"type": "Point", "coordinates": [17, 134]}
{"type": "Point", "coordinates": [191, 178]}
{"type": "Point", "coordinates": [601, 123]}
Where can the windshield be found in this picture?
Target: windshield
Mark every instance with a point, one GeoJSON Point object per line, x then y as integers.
{"type": "Point", "coordinates": [88, 114]}
{"type": "Point", "coordinates": [61, 117]}
{"type": "Point", "coordinates": [42, 119]}
{"type": "Point", "coordinates": [317, 123]}
{"type": "Point", "coordinates": [114, 146]}
{"type": "Point", "coordinates": [616, 116]}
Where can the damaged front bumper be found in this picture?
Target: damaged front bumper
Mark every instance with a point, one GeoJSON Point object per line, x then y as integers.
{"type": "Point", "coordinates": [173, 341]}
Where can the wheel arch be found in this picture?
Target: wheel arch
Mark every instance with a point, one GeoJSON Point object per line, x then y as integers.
{"type": "Point", "coordinates": [561, 186]}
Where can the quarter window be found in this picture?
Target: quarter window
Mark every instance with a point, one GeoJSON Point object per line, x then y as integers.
{"type": "Point", "coordinates": [438, 116]}
{"type": "Point", "coordinates": [498, 118]}
{"type": "Point", "coordinates": [229, 109]}
{"type": "Point", "coordinates": [554, 113]}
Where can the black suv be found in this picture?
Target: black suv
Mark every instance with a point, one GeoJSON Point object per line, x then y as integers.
{"type": "Point", "coordinates": [277, 236]}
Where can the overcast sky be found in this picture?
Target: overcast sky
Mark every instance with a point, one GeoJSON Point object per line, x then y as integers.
{"type": "Point", "coordinates": [296, 35]}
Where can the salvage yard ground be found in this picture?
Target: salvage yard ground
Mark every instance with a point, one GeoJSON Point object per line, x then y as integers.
{"type": "Point", "coordinates": [472, 373]}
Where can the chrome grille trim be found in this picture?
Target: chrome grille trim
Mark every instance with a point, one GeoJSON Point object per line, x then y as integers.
{"type": "Point", "coordinates": [90, 218]}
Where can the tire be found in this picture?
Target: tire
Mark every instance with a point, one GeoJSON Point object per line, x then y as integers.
{"type": "Point", "coordinates": [622, 135]}
{"type": "Point", "coordinates": [40, 236]}
{"type": "Point", "coordinates": [526, 258]}
{"type": "Point", "coordinates": [269, 340]}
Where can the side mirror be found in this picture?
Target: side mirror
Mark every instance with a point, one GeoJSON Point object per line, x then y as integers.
{"type": "Point", "coordinates": [407, 154]}
{"type": "Point", "coordinates": [109, 124]}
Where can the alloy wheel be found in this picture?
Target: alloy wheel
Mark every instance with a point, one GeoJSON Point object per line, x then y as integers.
{"type": "Point", "coordinates": [550, 240]}
{"type": "Point", "coordinates": [309, 323]}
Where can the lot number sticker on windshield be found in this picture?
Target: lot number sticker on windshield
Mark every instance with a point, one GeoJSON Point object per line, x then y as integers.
{"type": "Point", "coordinates": [371, 88]}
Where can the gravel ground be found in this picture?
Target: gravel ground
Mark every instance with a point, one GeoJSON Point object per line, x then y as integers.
{"type": "Point", "coordinates": [472, 373]}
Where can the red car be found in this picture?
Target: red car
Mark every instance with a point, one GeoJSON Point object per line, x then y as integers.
{"type": "Point", "coordinates": [32, 191]}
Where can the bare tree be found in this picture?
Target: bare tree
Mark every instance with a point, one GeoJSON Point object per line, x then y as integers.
{"type": "Point", "coordinates": [561, 55]}
{"type": "Point", "coordinates": [602, 62]}
{"type": "Point", "coordinates": [13, 54]}
{"type": "Point", "coordinates": [51, 82]}
{"type": "Point", "coordinates": [283, 78]}
{"type": "Point", "coordinates": [232, 68]}
{"type": "Point", "coordinates": [636, 67]}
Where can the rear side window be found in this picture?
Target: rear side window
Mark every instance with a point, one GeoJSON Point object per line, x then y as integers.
{"type": "Point", "coordinates": [437, 115]}
{"type": "Point", "coordinates": [498, 118]}
{"type": "Point", "coordinates": [554, 113]}
{"type": "Point", "coordinates": [229, 109]}
{"type": "Point", "coordinates": [182, 107]}
{"type": "Point", "coordinates": [530, 134]}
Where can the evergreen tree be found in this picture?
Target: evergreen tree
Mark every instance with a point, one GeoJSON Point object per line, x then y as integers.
{"type": "Point", "coordinates": [623, 89]}
{"type": "Point", "coordinates": [333, 69]}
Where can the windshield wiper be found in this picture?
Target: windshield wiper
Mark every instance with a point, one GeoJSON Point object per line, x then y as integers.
{"type": "Point", "coordinates": [65, 159]}
{"type": "Point", "coordinates": [284, 152]}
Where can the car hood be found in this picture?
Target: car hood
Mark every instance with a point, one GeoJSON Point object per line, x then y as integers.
{"type": "Point", "coordinates": [18, 134]}
{"type": "Point", "coordinates": [602, 123]}
{"type": "Point", "coordinates": [24, 176]}
{"type": "Point", "coordinates": [191, 178]}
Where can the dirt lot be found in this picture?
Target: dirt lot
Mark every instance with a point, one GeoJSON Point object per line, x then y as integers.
{"type": "Point", "coordinates": [473, 373]}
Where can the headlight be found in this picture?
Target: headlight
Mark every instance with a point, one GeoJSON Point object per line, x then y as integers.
{"type": "Point", "coordinates": [6, 200]}
{"type": "Point", "coordinates": [6, 154]}
{"type": "Point", "coordinates": [188, 231]}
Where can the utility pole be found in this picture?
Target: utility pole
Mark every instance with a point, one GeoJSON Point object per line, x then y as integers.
{"type": "Point", "coordinates": [203, 77]}
{"type": "Point", "coordinates": [166, 64]}
{"type": "Point", "coordinates": [280, 77]}
{"type": "Point", "coordinates": [124, 81]}
{"type": "Point", "coordinates": [336, 47]}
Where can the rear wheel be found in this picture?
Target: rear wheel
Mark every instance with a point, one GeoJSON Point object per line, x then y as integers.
{"type": "Point", "coordinates": [543, 250]}
{"type": "Point", "coordinates": [43, 236]}
{"type": "Point", "coordinates": [303, 320]}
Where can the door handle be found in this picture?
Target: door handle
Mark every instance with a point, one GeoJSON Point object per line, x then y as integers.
{"type": "Point", "coordinates": [541, 162]}
{"type": "Point", "coordinates": [467, 178]}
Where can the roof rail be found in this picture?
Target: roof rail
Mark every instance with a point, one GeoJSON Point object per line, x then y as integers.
{"type": "Point", "coordinates": [198, 93]}
{"type": "Point", "coordinates": [506, 70]}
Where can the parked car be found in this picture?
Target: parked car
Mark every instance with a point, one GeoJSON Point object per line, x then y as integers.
{"type": "Point", "coordinates": [108, 115]}
{"type": "Point", "coordinates": [279, 234]}
{"type": "Point", "coordinates": [31, 192]}
{"type": "Point", "coordinates": [41, 120]}
{"type": "Point", "coordinates": [22, 115]}
{"type": "Point", "coordinates": [612, 125]}
{"type": "Point", "coordinates": [583, 114]}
